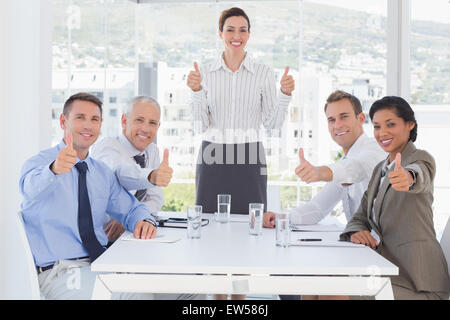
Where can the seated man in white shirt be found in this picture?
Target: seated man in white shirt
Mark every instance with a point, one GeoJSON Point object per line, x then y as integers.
{"type": "Point", "coordinates": [348, 178]}
{"type": "Point", "coordinates": [135, 158]}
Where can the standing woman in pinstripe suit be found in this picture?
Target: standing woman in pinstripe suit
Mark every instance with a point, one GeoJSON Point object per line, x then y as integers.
{"type": "Point", "coordinates": [231, 100]}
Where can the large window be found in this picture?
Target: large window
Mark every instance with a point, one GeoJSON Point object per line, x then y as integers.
{"type": "Point", "coordinates": [117, 49]}
{"type": "Point", "coordinates": [324, 52]}
{"type": "Point", "coordinates": [430, 92]}
{"type": "Point", "coordinates": [171, 36]}
{"type": "Point", "coordinates": [94, 51]}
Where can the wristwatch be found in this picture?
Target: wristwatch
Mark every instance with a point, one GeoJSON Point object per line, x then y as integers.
{"type": "Point", "coordinates": [150, 221]}
{"type": "Point", "coordinates": [414, 178]}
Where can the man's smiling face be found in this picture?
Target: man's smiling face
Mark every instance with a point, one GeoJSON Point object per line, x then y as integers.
{"type": "Point", "coordinates": [344, 125]}
{"type": "Point", "coordinates": [141, 124]}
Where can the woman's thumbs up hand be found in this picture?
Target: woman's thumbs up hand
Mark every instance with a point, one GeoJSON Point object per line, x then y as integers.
{"type": "Point", "coordinates": [400, 179]}
{"type": "Point", "coordinates": [287, 83]}
{"type": "Point", "coordinates": [194, 79]}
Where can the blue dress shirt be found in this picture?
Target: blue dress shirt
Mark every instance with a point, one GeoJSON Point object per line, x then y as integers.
{"type": "Point", "coordinates": [50, 206]}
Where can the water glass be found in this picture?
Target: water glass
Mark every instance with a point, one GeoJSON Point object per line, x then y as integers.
{"type": "Point", "coordinates": [194, 221]}
{"type": "Point", "coordinates": [223, 208]}
{"type": "Point", "coordinates": [283, 231]}
{"type": "Point", "coordinates": [255, 218]}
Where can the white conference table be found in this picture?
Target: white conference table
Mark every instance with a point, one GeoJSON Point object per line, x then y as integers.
{"type": "Point", "coordinates": [228, 260]}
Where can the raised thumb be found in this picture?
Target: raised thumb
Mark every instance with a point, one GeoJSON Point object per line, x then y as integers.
{"type": "Point", "coordinates": [301, 155]}
{"type": "Point", "coordinates": [165, 157]}
{"type": "Point", "coordinates": [286, 71]}
{"type": "Point", "coordinates": [398, 161]}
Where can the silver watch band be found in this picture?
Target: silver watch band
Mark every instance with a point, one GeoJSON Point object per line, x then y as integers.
{"type": "Point", "coordinates": [414, 178]}
{"type": "Point", "coordinates": [150, 221]}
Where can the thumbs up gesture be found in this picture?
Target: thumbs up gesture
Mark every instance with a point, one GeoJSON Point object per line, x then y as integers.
{"type": "Point", "coordinates": [287, 83]}
{"type": "Point", "coordinates": [194, 79]}
{"type": "Point", "coordinates": [162, 176]}
{"type": "Point", "coordinates": [400, 179]}
{"type": "Point", "coordinates": [66, 158]}
{"type": "Point", "coordinates": [305, 171]}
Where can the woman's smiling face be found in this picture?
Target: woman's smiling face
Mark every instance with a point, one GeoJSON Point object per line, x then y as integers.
{"type": "Point", "coordinates": [391, 132]}
{"type": "Point", "coordinates": [235, 33]}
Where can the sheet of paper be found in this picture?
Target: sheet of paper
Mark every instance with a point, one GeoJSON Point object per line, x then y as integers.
{"type": "Point", "coordinates": [318, 227]}
{"type": "Point", "coordinates": [160, 238]}
{"type": "Point", "coordinates": [325, 243]}
{"type": "Point", "coordinates": [327, 239]}
{"type": "Point", "coordinates": [170, 214]}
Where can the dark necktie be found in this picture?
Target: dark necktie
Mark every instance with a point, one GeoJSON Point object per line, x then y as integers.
{"type": "Point", "coordinates": [140, 160]}
{"type": "Point", "coordinates": [85, 224]}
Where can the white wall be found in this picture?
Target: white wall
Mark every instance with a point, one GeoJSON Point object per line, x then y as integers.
{"type": "Point", "coordinates": [25, 121]}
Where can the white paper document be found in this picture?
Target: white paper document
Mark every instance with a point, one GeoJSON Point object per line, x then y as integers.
{"type": "Point", "coordinates": [318, 227]}
{"type": "Point", "coordinates": [324, 243]}
{"type": "Point", "coordinates": [160, 238]}
{"type": "Point", "coordinates": [170, 214]}
{"type": "Point", "coordinates": [319, 239]}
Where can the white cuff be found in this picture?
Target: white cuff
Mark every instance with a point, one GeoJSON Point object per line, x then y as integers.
{"type": "Point", "coordinates": [284, 100]}
{"type": "Point", "coordinates": [198, 96]}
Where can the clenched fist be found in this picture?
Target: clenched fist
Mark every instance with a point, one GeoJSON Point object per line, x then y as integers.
{"type": "Point", "coordinates": [66, 159]}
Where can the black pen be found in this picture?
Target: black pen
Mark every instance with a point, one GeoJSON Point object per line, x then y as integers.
{"type": "Point", "coordinates": [309, 239]}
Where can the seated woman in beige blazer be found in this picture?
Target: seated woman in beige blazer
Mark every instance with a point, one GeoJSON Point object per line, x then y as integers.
{"type": "Point", "coordinates": [395, 217]}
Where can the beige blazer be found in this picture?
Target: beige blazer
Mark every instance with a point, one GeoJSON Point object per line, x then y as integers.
{"type": "Point", "coordinates": [404, 223]}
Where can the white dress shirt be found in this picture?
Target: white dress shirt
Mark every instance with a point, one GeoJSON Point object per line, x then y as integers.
{"type": "Point", "coordinates": [355, 169]}
{"type": "Point", "coordinates": [232, 106]}
{"type": "Point", "coordinates": [118, 154]}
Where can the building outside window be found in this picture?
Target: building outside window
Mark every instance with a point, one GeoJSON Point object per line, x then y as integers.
{"type": "Point", "coordinates": [118, 49]}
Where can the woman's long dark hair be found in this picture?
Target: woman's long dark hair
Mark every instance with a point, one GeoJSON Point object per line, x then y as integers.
{"type": "Point", "coordinates": [401, 108]}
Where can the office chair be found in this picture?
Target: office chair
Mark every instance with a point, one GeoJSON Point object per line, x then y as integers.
{"type": "Point", "coordinates": [30, 281]}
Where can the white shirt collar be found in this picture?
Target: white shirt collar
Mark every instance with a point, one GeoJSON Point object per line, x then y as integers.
{"type": "Point", "coordinates": [357, 145]}
{"type": "Point", "coordinates": [386, 166]}
{"type": "Point", "coordinates": [129, 147]}
{"type": "Point", "coordinates": [220, 63]}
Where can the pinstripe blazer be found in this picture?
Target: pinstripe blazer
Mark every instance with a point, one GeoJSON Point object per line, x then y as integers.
{"type": "Point", "coordinates": [404, 223]}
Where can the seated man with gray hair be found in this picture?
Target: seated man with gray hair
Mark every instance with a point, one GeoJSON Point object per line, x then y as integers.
{"type": "Point", "coordinates": [134, 157]}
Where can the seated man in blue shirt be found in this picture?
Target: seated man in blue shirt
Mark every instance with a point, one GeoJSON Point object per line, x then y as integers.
{"type": "Point", "coordinates": [66, 195]}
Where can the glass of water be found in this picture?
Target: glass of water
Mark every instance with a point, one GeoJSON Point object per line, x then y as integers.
{"type": "Point", "coordinates": [223, 208]}
{"type": "Point", "coordinates": [283, 230]}
{"type": "Point", "coordinates": [255, 218]}
{"type": "Point", "coordinates": [194, 221]}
